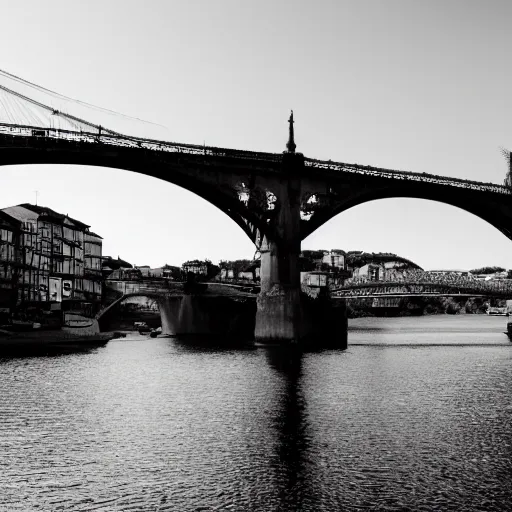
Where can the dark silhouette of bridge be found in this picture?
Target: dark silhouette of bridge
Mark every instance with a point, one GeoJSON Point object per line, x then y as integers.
{"type": "Point", "coordinates": [277, 199]}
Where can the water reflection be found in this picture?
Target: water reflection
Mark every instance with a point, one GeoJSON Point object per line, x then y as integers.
{"type": "Point", "coordinates": [291, 428]}
{"type": "Point", "coordinates": [201, 343]}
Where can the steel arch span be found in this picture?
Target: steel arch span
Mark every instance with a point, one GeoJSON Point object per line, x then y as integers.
{"type": "Point", "coordinates": [219, 179]}
{"type": "Point", "coordinates": [248, 186]}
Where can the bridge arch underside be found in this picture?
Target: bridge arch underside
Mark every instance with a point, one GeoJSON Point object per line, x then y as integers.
{"type": "Point", "coordinates": [105, 315]}
{"type": "Point", "coordinates": [496, 209]}
{"type": "Point", "coordinates": [183, 315]}
{"type": "Point", "coordinates": [169, 307]}
{"type": "Point", "coordinates": [217, 184]}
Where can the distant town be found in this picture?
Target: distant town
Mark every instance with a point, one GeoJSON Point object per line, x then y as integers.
{"type": "Point", "coordinates": [50, 262]}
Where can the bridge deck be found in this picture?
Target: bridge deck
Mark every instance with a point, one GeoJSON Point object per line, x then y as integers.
{"type": "Point", "coordinates": [119, 140]}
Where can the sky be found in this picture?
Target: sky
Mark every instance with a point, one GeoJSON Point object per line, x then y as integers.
{"type": "Point", "coordinates": [402, 84]}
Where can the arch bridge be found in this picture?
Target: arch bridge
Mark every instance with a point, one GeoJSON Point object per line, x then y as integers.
{"type": "Point", "coordinates": [230, 314]}
{"type": "Point", "coordinates": [278, 199]}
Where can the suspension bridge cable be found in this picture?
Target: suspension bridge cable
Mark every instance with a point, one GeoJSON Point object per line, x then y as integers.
{"type": "Point", "coordinates": [59, 95]}
{"type": "Point", "coordinates": [57, 112]}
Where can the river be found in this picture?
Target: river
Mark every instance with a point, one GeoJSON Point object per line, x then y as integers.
{"type": "Point", "coordinates": [415, 415]}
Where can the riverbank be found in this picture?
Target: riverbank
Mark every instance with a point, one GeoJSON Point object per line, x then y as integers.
{"type": "Point", "coordinates": [37, 341]}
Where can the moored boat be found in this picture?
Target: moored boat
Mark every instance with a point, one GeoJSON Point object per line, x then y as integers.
{"type": "Point", "coordinates": [508, 332]}
{"type": "Point", "coordinates": [70, 330]}
{"type": "Point", "coordinates": [497, 311]}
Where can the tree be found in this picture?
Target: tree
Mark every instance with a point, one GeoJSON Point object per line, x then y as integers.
{"type": "Point", "coordinates": [306, 264]}
{"type": "Point", "coordinates": [357, 259]}
{"type": "Point", "coordinates": [211, 270]}
{"type": "Point", "coordinates": [487, 270]}
{"type": "Point", "coordinates": [313, 255]}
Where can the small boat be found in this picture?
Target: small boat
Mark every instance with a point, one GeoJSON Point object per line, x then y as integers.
{"type": "Point", "coordinates": [496, 311]}
{"type": "Point", "coordinates": [508, 332]}
{"type": "Point", "coordinates": [142, 327]}
{"type": "Point", "coordinates": [71, 332]}
{"type": "Point", "coordinates": [155, 332]}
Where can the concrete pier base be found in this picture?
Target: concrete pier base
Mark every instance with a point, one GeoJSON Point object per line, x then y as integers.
{"type": "Point", "coordinates": [278, 317]}
{"type": "Point", "coordinates": [203, 316]}
{"type": "Point", "coordinates": [287, 317]}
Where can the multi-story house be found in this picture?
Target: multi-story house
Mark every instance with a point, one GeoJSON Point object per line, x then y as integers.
{"type": "Point", "coordinates": [92, 266]}
{"type": "Point", "coordinates": [196, 267]}
{"type": "Point", "coordinates": [10, 266]}
{"type": "Point", "coordinates": [53, 252]}
{"type": "Point", "coordinates": [33, 263]}
{"type": "Point", "coordinates": [335, 258]}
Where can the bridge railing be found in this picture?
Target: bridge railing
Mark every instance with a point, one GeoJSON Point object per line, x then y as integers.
{"type": "Point", "coordinates": [37, 132]}
{"type": "Point", "coordinates": [119, 140]}
{"type": "Point", "coordinates": [408, 176]}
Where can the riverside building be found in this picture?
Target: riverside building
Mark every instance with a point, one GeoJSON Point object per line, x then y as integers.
{"type": "Point", "coordinates": [53, 262]}
{"type": "Point", "coordinates": [10, 229]}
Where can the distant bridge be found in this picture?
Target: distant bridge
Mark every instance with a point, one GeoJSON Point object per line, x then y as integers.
{"type": "Point", "coordinates": [424, 284]}
{"type": "Point", "coordinates": [209, 308]}
{"type": "Point", "coordinates": [416, 284]}
{"type": "Point", "coordinates": [164, 289]}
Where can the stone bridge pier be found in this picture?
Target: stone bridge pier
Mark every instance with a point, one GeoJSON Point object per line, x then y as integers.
{"type": "Point", "coordinates": [225, 317]}
{"type": "Point", "coordinates": [219, 317]}
{"type": "Point", "coordinates": [284, 314]}
{"type": "Point", "coordinates": [185, 315]}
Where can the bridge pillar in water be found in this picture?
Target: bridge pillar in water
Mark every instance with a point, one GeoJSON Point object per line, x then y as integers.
{"type": "Point", "coordinates": [278, 314]}
{"type": "Point", "coordinates": [284, 315]}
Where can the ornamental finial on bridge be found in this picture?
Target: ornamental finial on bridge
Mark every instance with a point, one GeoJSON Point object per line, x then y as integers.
{"type": "Point", "coordinates": [290, 145]}
{"type": "Point", "coordinates": [508, 157]}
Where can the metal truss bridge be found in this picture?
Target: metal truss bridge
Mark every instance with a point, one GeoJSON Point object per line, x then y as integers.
{"type": "Point", "coordinates": [424, 284]}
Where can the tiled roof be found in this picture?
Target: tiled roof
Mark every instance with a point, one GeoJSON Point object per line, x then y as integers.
{"type": "Point", "coordinates": [20, 213]}
{"type": "Point", "coordinates": [93, 234]}
{"type": "Point", "coordinates": [44, 210]}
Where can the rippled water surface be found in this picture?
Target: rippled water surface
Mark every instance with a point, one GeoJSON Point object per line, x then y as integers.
{"type": "Point", "coordinates": [415, 415]}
